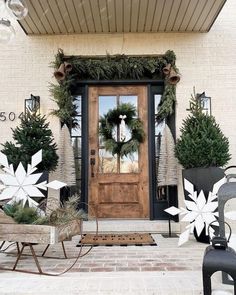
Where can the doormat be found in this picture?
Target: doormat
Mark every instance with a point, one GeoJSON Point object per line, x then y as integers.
{"type": "Point", "coordinates": [135, 239]}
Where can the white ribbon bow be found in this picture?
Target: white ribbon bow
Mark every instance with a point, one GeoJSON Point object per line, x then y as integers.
{"type": "Point", "coordinates": [122, 127]}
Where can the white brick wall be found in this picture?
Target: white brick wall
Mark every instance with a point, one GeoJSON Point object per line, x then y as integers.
{"type": "Point", "coordinates": [206, 61]}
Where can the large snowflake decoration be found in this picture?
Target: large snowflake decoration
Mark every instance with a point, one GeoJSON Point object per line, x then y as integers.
{"type": "Point", "coordinates": [19, 185]}
{"type": "Point", "coordinates": [199, 211]}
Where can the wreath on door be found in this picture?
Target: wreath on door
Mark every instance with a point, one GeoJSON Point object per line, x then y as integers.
{"type": "Point", "coordinates": [123, 116]}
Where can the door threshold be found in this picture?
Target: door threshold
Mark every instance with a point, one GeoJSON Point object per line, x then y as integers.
{"type": "Point", "coordinates": [131, 225]}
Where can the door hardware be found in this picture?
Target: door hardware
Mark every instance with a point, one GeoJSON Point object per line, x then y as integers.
{"type": "Point", "coordinates": [92, 163]}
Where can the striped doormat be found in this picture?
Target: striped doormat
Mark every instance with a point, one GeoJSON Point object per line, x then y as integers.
{"type": "Point", "coordinates": [137, 239]}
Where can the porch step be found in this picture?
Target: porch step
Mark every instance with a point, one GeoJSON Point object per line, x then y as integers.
{"type": "Point", "coordinates": [131, 225]}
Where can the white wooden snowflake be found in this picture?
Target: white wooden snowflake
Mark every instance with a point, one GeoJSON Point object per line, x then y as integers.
{"type": "Point", "coordinates": [199, 211]}
{"type": "Point", "coordinates": [20, 185]}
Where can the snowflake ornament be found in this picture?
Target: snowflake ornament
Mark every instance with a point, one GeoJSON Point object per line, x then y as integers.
{"type": "Point", "coordinates": [200, 212]}
{"type": "Point", "coordinates": [21, 185]}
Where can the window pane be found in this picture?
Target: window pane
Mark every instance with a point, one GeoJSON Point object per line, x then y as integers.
{"type": "Point", "coordinates": [159, 127]}
{"type": "Point", "coordinates": [114, 135]}
{"type": "Point", "coordinates": [78, 168]}
{"type": "Point", "coordinates": [107, 162]}
{"type": "Point", "coordinates": [157, 98]}
{"type": "Point", "coordinates": [161, 193]}
{"type": "Point", "coordinates": [129, 164]}
{"type": "Point", "coordinates": [77, 103]}
{"type": "Point", "coordinates": [127, 134]}
{"type": "Point", "coordinates": [157, 144]}
{"type": "Point", "coordinates": [106, 103]}
{"type": "Point", "coordinates": [78, 186]}
{"type": "Point", "coordinates": [77, 131]}
{"type": "Point", "coordinates": [132, 99]}
{"type": "Point", "coordinates": [76, 143]}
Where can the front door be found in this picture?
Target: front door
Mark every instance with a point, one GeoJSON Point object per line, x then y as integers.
{"type": "Point", "coordinates": [118, 187]}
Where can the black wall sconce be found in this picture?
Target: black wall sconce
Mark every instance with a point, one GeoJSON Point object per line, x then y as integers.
{"type": "Point", "coordinates": [205, 102]}
{"type": "Point", "coordinates": [32, 104]}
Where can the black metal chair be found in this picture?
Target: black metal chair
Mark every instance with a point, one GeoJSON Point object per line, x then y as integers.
{"type": "Point", "coordinates": [218, 257]}
{"type": "Point", "coordinates": [226, 192]}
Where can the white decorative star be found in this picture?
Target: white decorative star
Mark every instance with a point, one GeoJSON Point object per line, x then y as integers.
{"type": "Point", "coordinates": [21, 185]}
{"type": "Point", "coordinates": [200, 212]}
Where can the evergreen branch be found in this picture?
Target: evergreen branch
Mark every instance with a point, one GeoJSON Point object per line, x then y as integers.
{"type": "Point", "coordinates": [202, 143]}
{"type": "Point", "coordinates": [109, 67]}
{"type": "Point", "coordinates": [166, 106]}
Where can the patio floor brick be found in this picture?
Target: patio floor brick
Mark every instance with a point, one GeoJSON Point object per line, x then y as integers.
{"type": "Point", "coordinates": [148, 270]}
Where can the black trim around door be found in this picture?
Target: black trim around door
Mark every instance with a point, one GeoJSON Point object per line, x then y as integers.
{"type": "Point", "coordinates": [169, 193]}
{"type": "Point", "coordinates": [153, 87]}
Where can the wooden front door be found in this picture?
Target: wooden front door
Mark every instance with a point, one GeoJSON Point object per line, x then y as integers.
{"type": "Point", "coordinates": [118, 187]}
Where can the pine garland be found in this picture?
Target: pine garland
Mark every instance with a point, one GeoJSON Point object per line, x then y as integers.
{"type": "Point", "coordinates": [66, 108]}
{"type": "Point", "coordinates": [118, 67]}
{"type": "Point", "coordinates": [166, 106]}
{"type": "Point", "coordinates": [111, 120]}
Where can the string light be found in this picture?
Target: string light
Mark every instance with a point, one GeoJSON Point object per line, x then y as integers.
{"type": "Point", "coordinates": [7, 31]}
{"type": "Point", "coordinates": [18, 10]}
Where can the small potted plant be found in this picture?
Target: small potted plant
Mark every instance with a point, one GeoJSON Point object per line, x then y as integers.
{"type": "Point", "coordinates": [202, 150]}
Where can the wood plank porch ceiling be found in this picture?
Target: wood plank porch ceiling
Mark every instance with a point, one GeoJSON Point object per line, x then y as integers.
{"type": "Point", "coordinates": [118, 16]}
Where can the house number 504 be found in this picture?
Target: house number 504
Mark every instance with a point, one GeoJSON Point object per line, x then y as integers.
{"type": "Point", "coordinates": [4, 116]}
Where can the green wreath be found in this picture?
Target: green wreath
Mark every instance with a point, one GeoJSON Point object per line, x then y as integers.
{"type": "Point", "coordinates": [112, 119]}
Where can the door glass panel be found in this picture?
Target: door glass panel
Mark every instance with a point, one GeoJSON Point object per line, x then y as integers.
{"type": "Point", "coordinates": [129, 164]}
{"type": "Point", "coordinates": [128, 134]}
{"type": "Point", "coordinates": [106, 103]}
{"type": "Point", "coordinates": [107, 162]}
{"type": "Point", "coordinates": [132, 99]}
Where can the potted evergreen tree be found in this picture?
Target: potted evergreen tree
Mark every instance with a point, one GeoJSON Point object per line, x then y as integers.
{"type": "Point", "coordinates": [32, 135]}
{"type": "Point", "coordinates": [202, 149]}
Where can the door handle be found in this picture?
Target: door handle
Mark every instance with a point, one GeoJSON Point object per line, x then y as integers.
{"type": "Point", "coordinates": [92, 163]}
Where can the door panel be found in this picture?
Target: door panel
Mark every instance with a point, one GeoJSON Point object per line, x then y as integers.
{"type": "Point", "coordinates": [118, 187]}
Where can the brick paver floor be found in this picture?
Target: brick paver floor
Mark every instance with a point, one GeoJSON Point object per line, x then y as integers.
{"type": "Point", "coordinates": [163, 269]}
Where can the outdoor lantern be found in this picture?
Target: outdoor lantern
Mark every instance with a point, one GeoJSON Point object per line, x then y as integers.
{"type": "Point", "coordinates": [205, 102]}
{"type": "Point", "coordinates": [32, 104]}
{"type": "Point", "coordinates": [18, 8]}
{"type": "Point", "coordinates": [7, 32]}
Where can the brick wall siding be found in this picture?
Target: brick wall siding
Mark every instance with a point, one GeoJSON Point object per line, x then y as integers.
{"type": "Point", "coordinates": [206, 61]}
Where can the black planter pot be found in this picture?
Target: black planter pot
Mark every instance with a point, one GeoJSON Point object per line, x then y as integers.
{"type": "Point", "coordinates": [202, 179]}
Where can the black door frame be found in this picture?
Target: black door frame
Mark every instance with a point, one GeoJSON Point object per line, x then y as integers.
{"type": "Point", "coordinates": [153, 87]}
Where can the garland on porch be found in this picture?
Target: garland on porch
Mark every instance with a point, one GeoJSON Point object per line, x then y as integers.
{"type": "Point", "coordinates": [113, 119]}
{"type": "Point", "coordinates": [68, 70]}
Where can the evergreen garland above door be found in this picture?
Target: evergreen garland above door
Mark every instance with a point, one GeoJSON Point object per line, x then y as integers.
{"type": "Point", "coordinates": [70, 70]}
